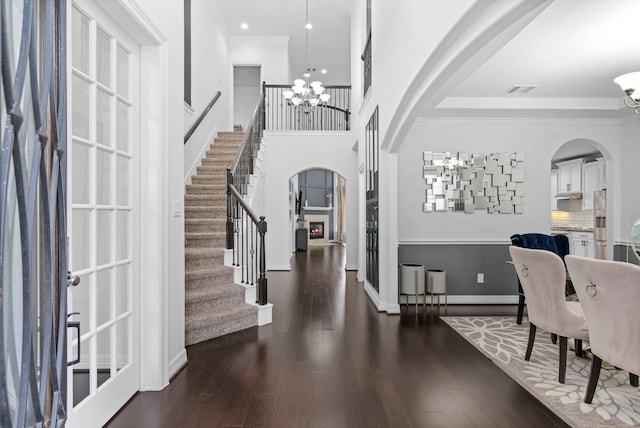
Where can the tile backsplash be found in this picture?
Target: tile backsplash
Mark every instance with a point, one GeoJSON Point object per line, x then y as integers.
{"type": "Point", "coordinates": [572, 220]}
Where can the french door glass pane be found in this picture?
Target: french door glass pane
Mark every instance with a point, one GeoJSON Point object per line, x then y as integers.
{"type": "Point", "coordinates": [103, 295]}
{"type": "Point", "coordinates": [103, 118]}
{"type": "Point", "coordinates": [81, 172]}
{"type": "Point", "coordinates": [80, 41]}
{"type": "Point", "coordinates": [81, 249]}
{"type": "Point", "coordinates": [103, 58]}
{"type": "Point", "coordinates": [122, 126]}
{"type": "Point", "coordinates": [103, 241]}
{"type": "Point", "coordinates": [123, 180]}
{"type": "Point", "coordinates": [80, 108]}
{"type": "Point", "coordinates": [122, 289]}
{"type": "Point", "coordinates": [122, 232]}
{"type": "Point", "coordinates": [123, 72]}
{"type": "Point", "coordinates": [103, 177]}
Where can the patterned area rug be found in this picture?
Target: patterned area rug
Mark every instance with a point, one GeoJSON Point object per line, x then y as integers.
{"type": "Point", "coordinates": [616, 402]}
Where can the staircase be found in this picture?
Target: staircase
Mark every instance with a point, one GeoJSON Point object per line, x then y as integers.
{"type": "Point", "coordinates": [214, 304]}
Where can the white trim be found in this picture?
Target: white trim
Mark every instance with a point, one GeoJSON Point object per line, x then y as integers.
{"type": "Point", "coordinates": [312, 133]}
{"type": "Point", "coordinates": [265, 314]}
{"type": "Point", "coordinates": [351, 267]}
{"type": "Point", "coordinates": [454, 242]}
{"type": "Point", "coordinates": [201, 155]}
{"type": "Point", "coordinates": [135, 22]}
{"type": "Point", "coordinates": [279, 267]}
{"type": "Point", "coordinates": [492, 121]}
{"type": "Point", "coordinates": [468, 299]}
{"type": "Point", "coordinates": [188, 109]}
{"type": "Point", "coordinates": [178, 363]}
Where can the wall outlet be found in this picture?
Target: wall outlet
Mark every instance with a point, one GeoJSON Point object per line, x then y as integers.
{"type": "Point", "coordinates": [480, 278]}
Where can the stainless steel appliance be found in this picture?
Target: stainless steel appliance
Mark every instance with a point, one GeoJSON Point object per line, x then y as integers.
{"type": "Point", "coordinates": [600, 223]}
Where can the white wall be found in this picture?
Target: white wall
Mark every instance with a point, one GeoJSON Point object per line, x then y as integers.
{"type": "Point", "coordinates": [538, 139]}
{"type": "Point", "coordinates": [169, 291]}
{"type": "Point", "coordinates": [626, 177]}
{"type": "Point", "coordinates": [288, 153]}
{"type": "Point", "coordinates": [209, 74]}
{"type": "Point", "coordinates": [271, 52]}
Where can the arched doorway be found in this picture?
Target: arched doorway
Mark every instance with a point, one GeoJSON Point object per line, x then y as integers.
{"type": "Point", "coordinates": [319, 207]}
{"type": "Point", "coordinates": [579, 197]}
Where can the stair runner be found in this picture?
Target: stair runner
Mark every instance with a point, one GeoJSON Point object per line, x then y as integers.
{"type": "Point", "coordinates": [214, 304]}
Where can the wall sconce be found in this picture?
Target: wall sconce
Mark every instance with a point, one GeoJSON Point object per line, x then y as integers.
{"type": "Point", "coordinates": [630, 85]}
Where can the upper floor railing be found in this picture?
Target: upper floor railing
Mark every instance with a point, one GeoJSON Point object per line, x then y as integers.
{"type": "Point", "coordinates": [245, 229]}
{"type": "Point", "coordinates": [278, 115]}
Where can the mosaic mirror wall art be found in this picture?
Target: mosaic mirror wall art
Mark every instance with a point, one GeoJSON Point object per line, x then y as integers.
{"type": "Point", "coordinates": [474, 181]}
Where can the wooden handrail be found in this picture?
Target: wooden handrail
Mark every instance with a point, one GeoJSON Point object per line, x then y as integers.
{"type": "Point", "coordinates": [232, 189]}
{"type": "Point", "coordinates": [366, 47]}
{"type": "Point", "coordinates": [245, 139]}
{"type": "Point", "coordinates": [201, 118]}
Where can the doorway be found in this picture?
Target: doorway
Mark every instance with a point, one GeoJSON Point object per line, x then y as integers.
{"type": "Point", "coordinates": [318, 205]}
{"type": "Point", "coordinates": [103, 213]}
{"type": "Point", "coordinates": [246, 93]}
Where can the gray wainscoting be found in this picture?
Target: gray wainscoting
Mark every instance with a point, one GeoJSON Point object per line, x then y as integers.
{"type": "Point", "coordinates": [463, 262]}
{"type": "Point", "coordinates": [624, 253]}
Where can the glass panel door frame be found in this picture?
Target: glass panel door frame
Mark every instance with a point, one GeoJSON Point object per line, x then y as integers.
{"type": "Point", "coordinates": [33, 255]}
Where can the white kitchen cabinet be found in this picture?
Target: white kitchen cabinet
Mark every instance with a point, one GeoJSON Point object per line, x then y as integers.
{"type": "Point", "coordinates": [582, 244]}
{"type": "Point", "coordinates": [554, 189]}
{"type": "Point", "coordinates": [570, 176]}
{"type": "Point", "coordinates": [593, 178]}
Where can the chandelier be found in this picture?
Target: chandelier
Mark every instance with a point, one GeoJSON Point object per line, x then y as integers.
{"type": "Point", "coordinates": [303, 94]}
{"type": "Point", "coordinates": [630, 85]}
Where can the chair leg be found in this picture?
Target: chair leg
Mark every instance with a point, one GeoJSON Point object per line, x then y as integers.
{"type": "Point", "coordinates": [578, 343]}
{"type": "Point", "coordinates": [562, 361]}
{"type": "Point", "coordinates": [554, 338]}
{"type": "Point", "coordinates": [520, 309]}
{"type": "Point", "coordinates": [532, 338]}
{"type": "Point", "coordinates": [633, 378]}
{"type": "Point", "coordinates": [594, 374]}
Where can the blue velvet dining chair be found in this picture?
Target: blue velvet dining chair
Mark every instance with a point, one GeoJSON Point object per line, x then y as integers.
{"type": "Point", "coordinates": [558, 244]}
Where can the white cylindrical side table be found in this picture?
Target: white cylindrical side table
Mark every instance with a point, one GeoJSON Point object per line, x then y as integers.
{"type": "Point", "coordinates": [437, 282]}
{"type": "Point", "coordinates": [412, 281]}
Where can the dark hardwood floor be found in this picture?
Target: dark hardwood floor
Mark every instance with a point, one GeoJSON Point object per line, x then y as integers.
{"type": "Point", "coordinates": [331, 360]}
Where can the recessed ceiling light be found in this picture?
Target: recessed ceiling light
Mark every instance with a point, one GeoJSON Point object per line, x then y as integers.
{"type": "Point", "coordinates": [244, 26]}
{"type": "Point", "coordinates": [323, 71]}
{"type": "Point", "coordinates": [308, 26]}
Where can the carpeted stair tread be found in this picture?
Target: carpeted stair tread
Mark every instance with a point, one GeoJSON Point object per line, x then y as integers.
{"type": "Point", "coordinates": [214, 304]}
{"type": "Point", "coordinates": [212, 272]}
{"type": "Point", "coordinates": [227, 293]}
{"type": "Point", "coordinates": [206, 199]}
{"type": "Point", "coordinates": [208, 325]}
{"type": "Point", "coordinates": [206, 239]}
{"type": "Point", "coordinates": [205, 189]}
{"type": "Point", "coordinates": [205, 253]}
{"type": "Point", "coordinates": [205, 225]}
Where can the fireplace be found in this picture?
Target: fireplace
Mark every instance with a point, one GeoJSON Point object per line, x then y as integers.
{"type": "Point", "coordinates": [316, 230]}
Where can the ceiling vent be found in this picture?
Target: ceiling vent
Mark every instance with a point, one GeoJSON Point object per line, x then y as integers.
{"type": "Point", "coordinates": [521, 89]}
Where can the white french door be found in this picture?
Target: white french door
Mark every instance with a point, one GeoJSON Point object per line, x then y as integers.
{"type": "Point", "coordinates": [103, 215]}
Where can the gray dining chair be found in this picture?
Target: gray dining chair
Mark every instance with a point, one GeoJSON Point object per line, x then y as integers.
{"type": "Point", "coordinates": [542, 274]}
{"type": "Point", "coordinates": [609, 293]}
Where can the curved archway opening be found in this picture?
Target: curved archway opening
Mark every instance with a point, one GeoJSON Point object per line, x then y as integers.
{"type": "Point", "coordinates": [318, 198]}
{"type": "Point", "coordinates": [578, 196]}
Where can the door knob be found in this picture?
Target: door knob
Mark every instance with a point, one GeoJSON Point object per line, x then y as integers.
{"type": "Point", "coordinates": [72, 279]}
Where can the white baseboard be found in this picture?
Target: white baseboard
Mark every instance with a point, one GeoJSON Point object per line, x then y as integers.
{"type": "Point", "coordinates": [203, 153]}
{"type": "Point", "coordinates": [467, 299]}
{"type": "Point", "coordinates": [279, 267]}
{"type": "Point", "coordinates": [265, 314]}
{"type": "Point", "coordinates": [351, 267]}
{"type": "Point", "coordinates": [178, 363]}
